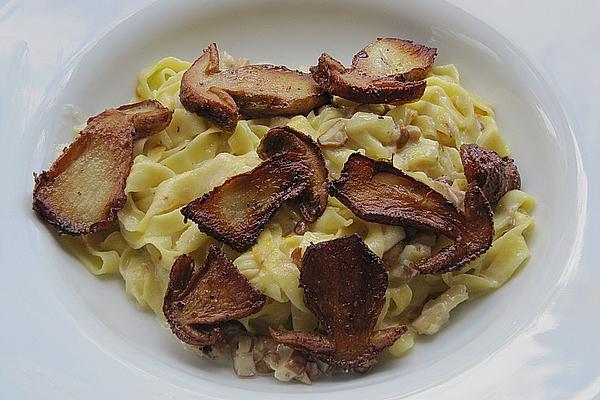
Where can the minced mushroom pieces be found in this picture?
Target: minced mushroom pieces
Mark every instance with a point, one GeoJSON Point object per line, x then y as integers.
{"type": "Point", "coordinates": [284, 139]}
{"type": "Point", "coordinates": [83, 190]}
{"type": "Point", "coordinates": [237, 211]}
{"type": "Point", "coordinates": [387, 71]}
{"type": "Point", "coordinates": [198, 301]}
{"type": "Point", "coordinates": [148, 117]}
{"type": "Point", "coordinates": [495, 175]}
{"type": "Point", "coordinates": [344, 284]}
{"type": "Point", "coordinates": [377, 192]}
{"type": "Point", "coordinates": [252, 91]}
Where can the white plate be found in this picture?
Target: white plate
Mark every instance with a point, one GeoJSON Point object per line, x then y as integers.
{"type": "Point", "coordinates": [68, 334]}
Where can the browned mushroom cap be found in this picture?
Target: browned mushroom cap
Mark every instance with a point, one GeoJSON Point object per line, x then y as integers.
{"type": "Point", "coordinates": [495, 175]}
{"type": "Point", "coordinates": [474, 239]}
{"type": "Point", "coordinates": [148, 117]}
{"type": "Point", "coordinates": [251, 91]}
{"type": "Point", "coordinates": [386, 71]}
{"type": "Point", "coordinates": [344, 283]}
{"type": "Point", "coordinates": [199, 300]}
{"type": "Point", "coordinates": [392, 56]}
{"type": "Point", "coordinates": [377, 192]}
{"type": "Point", "coordinates": [237, 211]}
{"type": "Point", "coordinates": [282, 139]}
{"type": "Point", "coordinates": [84, 188]}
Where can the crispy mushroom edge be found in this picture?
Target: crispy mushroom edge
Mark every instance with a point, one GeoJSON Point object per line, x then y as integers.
{"type": "Point", "coordinates": [387, 71]}
{"type": "Point", "coordinates": [212, 103]}
{"type": "Point", "coordinates": [344, 284]}
{"type": "Point", "coordinates": [313, 201]}
{"type": "Point", "coordinates": [475, 237]}
{"type": "Point", "coordinates": [84, 188]}
{"type": "Point", "coordinates": [495, 175]}
{"type": "Point", "coordinates": [251, 91]}
{"type": "Point", "coordinates": [393, 56]}
{"type": "Point", "coordinates": [148, 117]}
{"type": "Point", "coordinates": [237, 211]}
{"type": "Point", "coordinates": [376, 191]}
{"type": "Point", "coordinates": [198, 301]}
{"type": "Point", "coordinates": [397, 199]}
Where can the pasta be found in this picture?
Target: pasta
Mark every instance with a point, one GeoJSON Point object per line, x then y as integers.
{"type": "Point", "coordinates": [191, 156]}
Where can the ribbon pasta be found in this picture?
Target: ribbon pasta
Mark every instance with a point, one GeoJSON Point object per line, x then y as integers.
{"type": "Point", "coordinates": [191, 157]}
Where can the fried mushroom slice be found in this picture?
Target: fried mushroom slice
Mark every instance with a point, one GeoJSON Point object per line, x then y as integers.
{"type": "Point", "coordinates": [148, 117]}
{"type": "Point", "coordinates": [237, 211]}
{"type": "Point", "coordinates": [84, 188]}
{"type": "Point", "coordinates": [251, 91]}
{"type": "Point", "coordinates": [313, 201]}
{"type": "Point", "coordinates": [377, 192]}
{"type": "Point", "coordinates": [344, 284]}
{"type": "Point", "coordinates": [495, 175]}
{"type": "Point", "coordinates": [198, 301]}
{"type": "Point", "coordinates": [474, 239]}
{"type": "Point", "coordinates": [387, 71]}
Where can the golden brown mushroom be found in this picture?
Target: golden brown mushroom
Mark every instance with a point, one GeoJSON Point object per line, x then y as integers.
{"type": "Point", "coordinates": [376, 191]}
{"type": "Point", "coordinates": [148, 117]}
{"type": "Point", "coordinates": [284, 139]}
{"type": "Point", "coordinates": [344, 283]}
{"type": "Point", "coordinates": [84, 188]}
{"type": "Point", "coordinates": [387, 71]}
{"type": "Point", "coordinates": [250, 91]}
{"type": "Point", "coordinates": [475, 236]}
{"type": "Point", "coordinates": [199, 301]}
{"type": "Point", "coordinates": [495, 175]}
{"type": "Point", "coordinates": [237, 211]}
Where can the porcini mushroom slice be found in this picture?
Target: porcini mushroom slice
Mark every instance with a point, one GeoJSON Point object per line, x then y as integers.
{"type": "Point", "coordinates": [377, 192]}
{"type": "Point", "coordinates": [392, 56]}
{"type": "Point", "coordinates": [250, 91]}
{"type": "Point", "coordinates": [84, 188]}
{"type": "Point", "coordinates": [313, 201]}
{"type": "Point", "coordinates": [387, 71]}
{"type": "Point", "coordinates": [344, 284]}
{"type": "Point", "coordinates": [495, 175]}
{"type": "Point", "coordinates": [475, 236]}
{"type": "Point", "coordinates": [148, 117]}
{"type": "Point", "coordinates": [199, 300]}
{"type": "Point", "coordinates": [237, 211]}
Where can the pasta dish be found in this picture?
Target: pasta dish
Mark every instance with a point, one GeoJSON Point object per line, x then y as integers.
{"type": "Point", "coordinates": [249, 223]}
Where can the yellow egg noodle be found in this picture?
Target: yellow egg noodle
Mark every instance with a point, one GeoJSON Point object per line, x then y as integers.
{"type": "Point", "coordinates": [192, 156]}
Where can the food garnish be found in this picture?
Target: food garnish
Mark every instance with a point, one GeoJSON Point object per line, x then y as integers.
{"type": "Point", "coordinates": [148, 117]}
{"type": "Point", "coordinates": [344, 283]}
{"type": "Point", "coordinates": [313, 201]}
{"type": "Point", "coordinates": [199, 301]}
{"type": "Point", "coordinates": [475, 234]}
{"type": "Point", "coordinates": [252, 91]}
{"type": "Point", "coordinates": [83, 190]}
{"type": "Point", "coordinates": [386, 71]}
{"type": "Point", "coordinates": [495, 175]}
{"type": "Point", "coordinates": [377, 192]}
{"type": "Point", "coordinates": [237, 211]}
